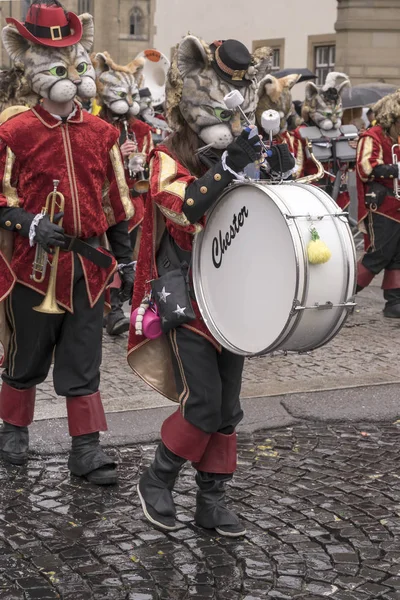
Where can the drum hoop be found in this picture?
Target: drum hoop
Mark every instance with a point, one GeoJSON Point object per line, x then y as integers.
{"type": "Point", "coordinates": [343, 316]}
{"type": "Point", "coordinates": [294, 316]}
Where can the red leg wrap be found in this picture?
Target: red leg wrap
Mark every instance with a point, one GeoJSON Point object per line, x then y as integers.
{"type": "Point", "coordinates": [220, 455]}
{"type": "Point", "coordinates": [364, 275]}
{"type": "Point", "coordinates": [184, 439]}
{"type": "Point", "coordinates": [17, 406]}
{"type": "Point", "coordinates": [86, 415]}
{"type": "Point", "coordinates": [391, 279]}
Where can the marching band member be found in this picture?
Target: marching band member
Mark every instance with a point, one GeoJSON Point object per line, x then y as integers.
{"type": "Point", "coordinates": [184, 183]}
{"type": "Point", "coordinates": [56, 140]}
{"type": "Point", "coordinates": [323, 109]}
{"type": "Point", "coordinates": [275, 95]}
{"type": "Point", "coordinates": [378, 206]}
{"type": "Point", "coordinates": [118, 95]}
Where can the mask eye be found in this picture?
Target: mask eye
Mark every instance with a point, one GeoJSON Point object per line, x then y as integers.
{"type": "Point", "coordinates": [122, 94]}
{"type": "Point", "coordinates": [223, 114]}
{"type": "Point", "coordinates": [82, 68]}
{"type": "Point", "coordinates": [59, 72]}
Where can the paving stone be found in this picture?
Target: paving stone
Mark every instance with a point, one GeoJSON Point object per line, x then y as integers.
{"type": "Point", "coordinates": [320, 523]}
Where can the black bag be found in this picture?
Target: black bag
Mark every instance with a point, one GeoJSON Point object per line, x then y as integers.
{"type": "Point", "coordinates": [376, 194]}
{"type": "Point", "coordinates": [171, 291]}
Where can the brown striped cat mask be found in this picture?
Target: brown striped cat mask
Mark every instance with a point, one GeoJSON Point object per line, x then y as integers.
{"type": "Point", "coordinates": [195, 93]}
{"type": "Point", "coordinates": [55, 73]}
{"type": "Point", "coordinates": [117, 85]}
{"type": "Point", "coordinates": [275, 94]}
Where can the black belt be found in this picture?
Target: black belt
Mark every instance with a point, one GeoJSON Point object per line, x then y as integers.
{"type": "Point", "coordinates": [74, 244]}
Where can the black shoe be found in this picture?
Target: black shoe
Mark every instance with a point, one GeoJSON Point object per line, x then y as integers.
{"type": "Point", "coordinates": [155, 487]}
{"type": "Point", "coordinates": [211, 511]}
{"type": "Point", "coordinates": [117, 323]}
{"type": "Point", "coordinates": [14, 444]}
{"type": "Point", "coordinates": [87, 459]}
{"type": "Point", "coordinates": [392, 311]}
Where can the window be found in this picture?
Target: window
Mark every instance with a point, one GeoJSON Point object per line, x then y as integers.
{"type": "Point", "coordinates": [85, 6]}
{"type": "Point", "coordinates": [276, 60]}
{"type": "Point", "coordinates": [324, 62]}
{"type": "Point", "coordinates": [278, 51]}
{"type": "Point", "coordinates": [137, 22]}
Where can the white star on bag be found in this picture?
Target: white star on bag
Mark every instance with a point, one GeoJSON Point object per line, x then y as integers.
{"type": "Point", "coordinates": [180, 312]}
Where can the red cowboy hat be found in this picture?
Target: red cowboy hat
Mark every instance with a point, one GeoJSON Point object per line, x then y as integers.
{"type": "Point", "coordinates": [48, 26]}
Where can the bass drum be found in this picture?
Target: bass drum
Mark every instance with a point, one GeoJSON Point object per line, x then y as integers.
{"type": "Point", "coordinates": [256, 290]}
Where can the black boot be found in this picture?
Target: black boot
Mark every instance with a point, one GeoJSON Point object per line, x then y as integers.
{"type": "Point", "coordinates": [155, 487]}
{"type": "Point", "coordinates": [392, 307]}
{"type": "Point", "coordinates": [14, 443]}
{"type": "Point", "coordinates": [211, 510]}
{"type": "Point", "coordinates": [87, 459]}
{"type": "Point", "coordinates": [117, 322]}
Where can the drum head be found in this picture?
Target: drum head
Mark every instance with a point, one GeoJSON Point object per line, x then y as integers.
{"type": "Point", "coordinates": [242, 258]}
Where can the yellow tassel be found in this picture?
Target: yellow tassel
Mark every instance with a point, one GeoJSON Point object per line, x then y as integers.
{"type": "Point", "coordinates": [318, 252]}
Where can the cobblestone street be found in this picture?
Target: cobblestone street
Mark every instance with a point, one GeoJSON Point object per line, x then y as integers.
{"type": "Point", "coordinates": [321, 505]}
{"type": "Point", "coordinates": [359, 355]}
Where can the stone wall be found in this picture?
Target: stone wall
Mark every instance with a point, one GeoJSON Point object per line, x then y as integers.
{"type": "Point", "coordinates": [368, 40]}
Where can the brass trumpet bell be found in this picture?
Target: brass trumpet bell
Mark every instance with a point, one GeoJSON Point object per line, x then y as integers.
{"type": "Point", "coordinates": [49, 305]}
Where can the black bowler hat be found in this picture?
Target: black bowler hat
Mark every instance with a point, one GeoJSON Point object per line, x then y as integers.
{"type": "Point", "coordinates": [145, 93]}
{"type": "Point", "coordinates": [231, 61]}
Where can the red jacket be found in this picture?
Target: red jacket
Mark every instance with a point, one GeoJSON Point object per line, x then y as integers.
{"type": "Point", "coordinates": [83, 154]}
{"type": "Point", "coordinates": [375, 148]}
{"type": "Point", "coordinates": [168, 182]}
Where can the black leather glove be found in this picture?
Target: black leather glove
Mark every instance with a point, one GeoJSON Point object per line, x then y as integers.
{"type": "Point", "coordinates": [281, 159]}
{"type": "Point", "coordinates": [127, 276]}
{"type": "Point", "coordinates": [386, 172]}
{"type": "Point", "coordinates": [243, 150]}
{"type": "Point", "coordinates": [50, 235]}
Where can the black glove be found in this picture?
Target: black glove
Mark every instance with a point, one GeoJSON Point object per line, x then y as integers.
{"type": "Point", "coordinates": [243, 151]}
{"type": "Point", "coordinates": [281, 159]}
{"type": "Point", "coordinates": [50, 235]}
{"type": "Point", "coordinates": [127, 276]}
{"type": "Point", "coordinates": [386, 172]}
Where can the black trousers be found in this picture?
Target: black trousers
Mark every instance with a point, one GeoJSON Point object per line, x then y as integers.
{"type": "Point", "coordinates": [208, 382]}
{"type": "Point", "coordinates": [75, 339]}
{"type": "Point", "coordinates": [384, 253]}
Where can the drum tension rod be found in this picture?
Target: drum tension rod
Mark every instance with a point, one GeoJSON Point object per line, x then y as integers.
{"type": "Point", "coordinates": [327, 306]}
{"type": "Point", "coordinates": [317, 217]}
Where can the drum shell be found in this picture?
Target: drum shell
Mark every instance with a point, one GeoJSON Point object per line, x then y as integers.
{"type": "Point", "coordinates": [304, 322]}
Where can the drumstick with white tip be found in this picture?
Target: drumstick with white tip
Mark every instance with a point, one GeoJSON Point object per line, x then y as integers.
{"type": "Point", "coordinates": [270, 119]}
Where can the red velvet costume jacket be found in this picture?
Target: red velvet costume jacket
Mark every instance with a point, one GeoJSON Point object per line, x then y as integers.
{"type": "Point", "coordinates": [83, 154]}
{"type": "Point", "coordinates": [144, 140]}
{"type": "Point", "coordinates": [168, 183]}
{"type": "Point", "coordinates": [375, 148]}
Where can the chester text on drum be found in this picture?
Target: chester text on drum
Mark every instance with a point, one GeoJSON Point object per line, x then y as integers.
{"type": "Point", "coordinates": [221, 244]}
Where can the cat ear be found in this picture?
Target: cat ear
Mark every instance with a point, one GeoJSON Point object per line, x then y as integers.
{"type": "Point", "coordinates": [269, 86]}
{"type": "Point", "coordinates": [87, 39]}
{"type": "Point", "coordinates": [100, 63]}
{"type": "Point", "coordinates": [191, 55]}
{"type": "Point", "coordinates": [311, 90]}
{"type": "Point", "coordinates": [290, 80]}
{"type": "Point", "coordinates": [261, 63]}
{"type": "Point", "coordinates": [16, 46]}
{"type": "Point", "coordinates": [336, 80]}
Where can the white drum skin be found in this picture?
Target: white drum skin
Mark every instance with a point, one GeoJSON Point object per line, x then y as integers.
{"type": "Point", "coordinates": [255, 288]}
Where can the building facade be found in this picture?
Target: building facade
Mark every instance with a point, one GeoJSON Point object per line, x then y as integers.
{"type": "Point", "coordinates": [359, 37]}
{"type": "Point", "coordinates": [123, 27]}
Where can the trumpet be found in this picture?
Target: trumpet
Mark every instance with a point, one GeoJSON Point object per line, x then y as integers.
{"type": "Point", "coordinates": [55, 200]}
{"type": "Point", "coordinates": [395, 161]}
{"type": "Point", "coordinates": [320, 167]}
{"type": "Point", "coordinates": [135, 163]}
